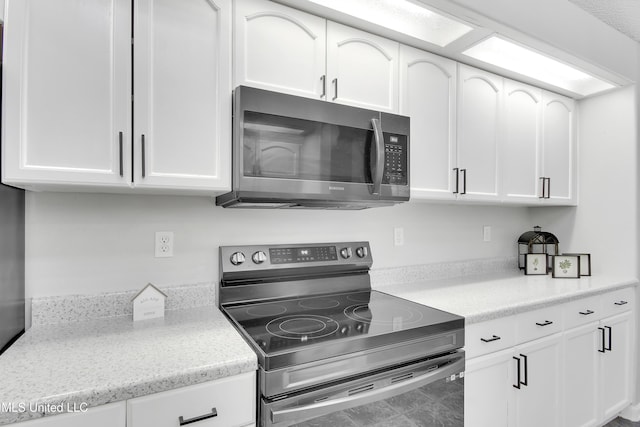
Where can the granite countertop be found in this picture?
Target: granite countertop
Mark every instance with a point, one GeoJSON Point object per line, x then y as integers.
{"type": "Point", "coordinates": [480, 298]}
{"type": "Point", "coordinates": [108, 360]}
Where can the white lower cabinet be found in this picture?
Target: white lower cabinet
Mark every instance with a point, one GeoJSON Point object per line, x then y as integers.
{"type": "Point", "coordinates": [112, 415]}
{"type": "Point", "coordinates": [228, 402]}
{"type": "Point", "coordinates": [570, 365]}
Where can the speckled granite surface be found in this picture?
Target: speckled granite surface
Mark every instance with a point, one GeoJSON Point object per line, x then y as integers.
{"type": "Point", "coordinates": [102, 361]}
{"type": "Point", "coordinates": [80, 308]}
{"type": "Point", "coordinates": [480, 298]}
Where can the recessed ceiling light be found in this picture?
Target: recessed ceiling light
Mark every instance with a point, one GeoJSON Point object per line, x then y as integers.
{"type": "Point", "coordinates": [514, 57]}
{"type": "Point", "coordinates": [405, 16]}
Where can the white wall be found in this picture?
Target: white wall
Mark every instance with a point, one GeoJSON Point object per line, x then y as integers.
{"type": "Point", "coordinates": [605, 223]}
{"type": "Point", "coordinates": [90, 243]}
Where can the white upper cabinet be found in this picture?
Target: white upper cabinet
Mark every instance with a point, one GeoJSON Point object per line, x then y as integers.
{"type": "Point", "coordinates": [478, 133]}
{"type": "Point", "coordinates": [68, 95]}
{"type": "Point", "coordinates": [362, 69]}
{"type": "Point", "coordinates": [66, 87]}
{"type": "Point", "coordinates": [182, 120]}
{"type": "Point", "coordinates": [428, 97]}
{"type": "Point", "coordinates": [521, 143]}
{"type": "Point", "coordinates": [285, 50]}
{"type": "Point", "coordinates": [279, 48]}
{"type": "Point", "coordinates": [559, 149]}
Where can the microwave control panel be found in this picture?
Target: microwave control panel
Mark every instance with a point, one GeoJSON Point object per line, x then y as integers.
{"type": "Point", "coordinates": [396, 155]}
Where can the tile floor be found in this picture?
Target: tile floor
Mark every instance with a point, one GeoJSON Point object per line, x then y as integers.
{"type": "Point", "coordinates": [621, 422]}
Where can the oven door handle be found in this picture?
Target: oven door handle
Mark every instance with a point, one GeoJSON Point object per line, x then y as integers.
{"type": "Point", "coordinates": [328, 406]}
{"type": "Point", "coordinates": [377, 161]}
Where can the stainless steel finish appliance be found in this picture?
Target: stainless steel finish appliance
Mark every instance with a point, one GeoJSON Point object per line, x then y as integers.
{"type": "Point", "coordinates": [11, 265]}
{"type": "Point", "coordinates": [330, 349]}
{"type": "Point", "coordinates": [294, 152]}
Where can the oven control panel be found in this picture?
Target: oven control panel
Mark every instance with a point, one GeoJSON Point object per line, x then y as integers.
{"type": "Point", "coordinates": [261, 257]}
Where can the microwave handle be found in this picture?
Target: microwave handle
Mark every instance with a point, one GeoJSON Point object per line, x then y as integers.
{"type": "Point", "coordinates": [377, 160]}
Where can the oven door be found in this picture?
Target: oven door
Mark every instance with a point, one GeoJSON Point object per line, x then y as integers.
{"type": "Point", "coordinates": [429, 391]}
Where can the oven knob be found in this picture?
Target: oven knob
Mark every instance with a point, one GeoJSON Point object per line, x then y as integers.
{"type": "Point", "coordinates": [237, 258]}
{"type": "Point", "coordinates": [362, 252]}
{"type": "Point", "coordinates": [346, 253]}
{"type": "Point", "coordinates": [259, 257]}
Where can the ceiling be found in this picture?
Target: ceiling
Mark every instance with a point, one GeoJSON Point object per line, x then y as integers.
{"type": "Point", "coordinates": [623, 15]}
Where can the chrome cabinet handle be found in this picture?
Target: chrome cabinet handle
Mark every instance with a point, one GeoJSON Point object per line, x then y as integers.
{"type": "Point", "coordinates": [543, 186]}
{"type": "Point", "coordinates": [620, 303]}
{"type": "Point", "coordinates": [335, 89]}
{"type": "Point", "coordinates": [377, 161]}
{"type": "Point", "coordinates": [457, 171]}
{"type": "Point", "coordinates": [518, 379]}
{"type": "Point", "coordinates": [545, 323]}
{"type": "Point", "coordinates": [144, 166]}
{"type": "Point", "coordinates": [184, 422]}
{"type": "Point", "coordinates": [493, 338]}
{"type": "Point", "coordinates": [586, 313]}
{"type": "Point", "coordinates": [323, 79]}
{"type": "Point", "coordinates": [548, 188]}
{"type": "Point", "coordinates": [121, 148]}
{"type": "Point", "coordinates": [602, 339]}
{"type": "Point", "coordinates": [526, 370]}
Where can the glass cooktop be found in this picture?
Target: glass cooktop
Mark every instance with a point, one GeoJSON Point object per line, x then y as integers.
{"type": "Point", "coordinates": [299, 330]}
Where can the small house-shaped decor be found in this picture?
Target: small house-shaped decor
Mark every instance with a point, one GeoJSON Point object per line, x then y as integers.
{"type": "Point", "coordinates": [536, 242]}
{"type": "Point", "coordinates": [148, 303]}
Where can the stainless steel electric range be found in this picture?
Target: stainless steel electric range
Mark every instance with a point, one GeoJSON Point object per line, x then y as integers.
{"type": "Point", "coordinates": [332, 351]}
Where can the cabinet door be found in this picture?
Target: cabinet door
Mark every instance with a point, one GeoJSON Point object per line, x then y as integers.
{"type": "Point", "coordinates": [559, 149]}
{"type": "Point", "coordinates": [67, 88]}
{"type": "Point", "coordinates": [112, 415]}
{"type": "Point", "coordinates": [616, 378]}
{"type": "Point", "coordinates": [278, 48]}
{"type": "Point", "coordinates": [580, 374]}
{"type": "Point", "coordinates": [231, 399]}
{"type": "Point", "coordinates": [538, 402]}
{"type": "Point", "coordinates": [521, 143]}
{"type": "Point", "coordinates": [478, 132]}
{"type": "Point", "coordinates": [182, 94]}
{"type": "Point", "coordinates": [362, 69]}
{"type": "Point", "coordinates": [428, 95]}
{"type": "Point", "coordinates": [487, 390]}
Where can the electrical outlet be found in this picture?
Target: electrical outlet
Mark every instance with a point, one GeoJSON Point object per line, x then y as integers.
{"type": "Point", "coordinates": [398, 236]}
{"type": "Point", "coordinates": [164, 244]}
{"type": "Point", "coordinates": [486, 233]}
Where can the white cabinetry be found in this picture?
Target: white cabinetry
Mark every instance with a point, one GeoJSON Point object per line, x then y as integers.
{"type": "Point", "coordinates": [67, 120]}
{"type": "Point", "coordinates": [478, 133]}
{"type": "Point", "coordinates": [521, 145]}
{"type": "Point", "coordinates": [569, 365]}
{"type": "Point", "coordinates": [66, 116]}
{"type": "Point", "coordinates": [428, 97]}
{"type": "Point", "coordinates": [282, 49]}
{"type": "Point", "coordinates": [228, 402]}
{"type": "Point", "coordinates": [559, 149]}
{"type": "Point", "coordinates": [112, 415]}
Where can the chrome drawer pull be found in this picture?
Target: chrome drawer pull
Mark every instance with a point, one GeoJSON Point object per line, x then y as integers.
{"type": "Point", "coordinates": [620, 303]}
{"type": "Point", "coordinates": [493, 338]}
{"type": "Point", "coordinates": [545, 323]}
{"type": "Point", "coordinates": [184, 422]}
{"type": "Point", "coordinates": [586, 313]}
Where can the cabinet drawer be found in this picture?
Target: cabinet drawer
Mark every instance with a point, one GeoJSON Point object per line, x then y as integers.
{"type": "Point", "coordinates": [538, 323]}
{"type": "Point", "coordinates": [617, 301]}
{"type": "Point", "coordinates": [232, 399]}
{"type": "Point", "coordinates": [583, 311]}
{"type": "Point", "coordinates": [487, 337]}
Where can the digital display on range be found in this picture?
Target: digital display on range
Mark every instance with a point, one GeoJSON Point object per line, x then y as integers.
{"type": "Point", "coordinates": [311, 254]}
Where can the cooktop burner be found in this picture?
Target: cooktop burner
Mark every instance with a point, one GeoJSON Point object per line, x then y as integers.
{"type": "Point", "coordinates": [305, 329]}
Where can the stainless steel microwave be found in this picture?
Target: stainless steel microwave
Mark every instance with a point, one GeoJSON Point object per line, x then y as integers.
{"type": "Point", "coordinates": [294, 152]}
